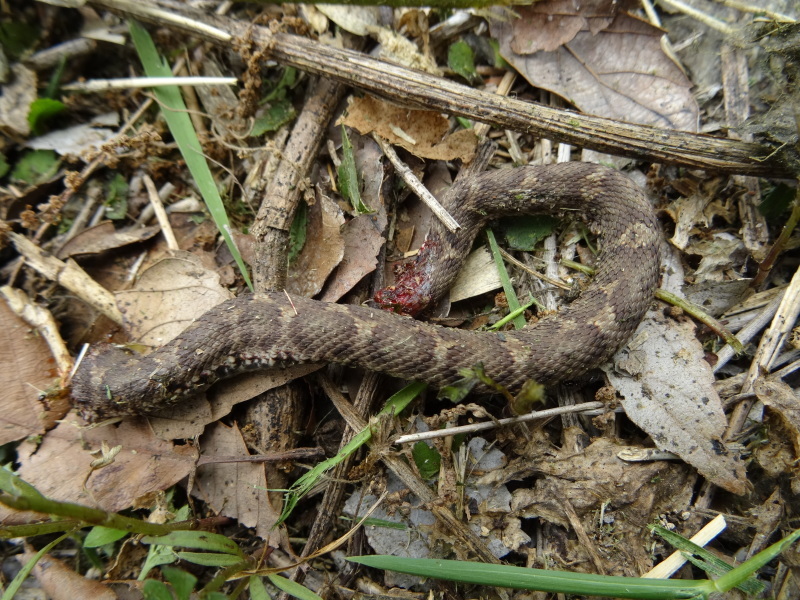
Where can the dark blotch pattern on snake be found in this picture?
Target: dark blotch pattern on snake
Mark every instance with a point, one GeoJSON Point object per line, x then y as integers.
{"type": "Point", "coordinates": [259, 331]}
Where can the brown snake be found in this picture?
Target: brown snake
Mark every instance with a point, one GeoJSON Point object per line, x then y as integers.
{"type": "Point", "coordinates": [262, 331]}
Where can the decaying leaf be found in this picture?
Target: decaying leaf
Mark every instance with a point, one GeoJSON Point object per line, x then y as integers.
{"type": "Point", "coordinates": [239, 489]}
{"type": "Point", "coordinates": [322, 252]}
{"type": "Point", "coordinates": [421, 132]}
{"type": "Point", "coordinates": [27, 370]}
{"type": "Point", "coordinates": [615, 69]}
{"type": "Point", "coordinates": [60, 465]}
{"type": "Point", "coordinates": [104, 236]}
{"type": "Point", "coordinates": [667, 390]}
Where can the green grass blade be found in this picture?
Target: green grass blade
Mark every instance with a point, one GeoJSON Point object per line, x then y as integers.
{"type": "Point", "coordinates": [26, 569]}
{"type": "Point", "coordinates": [394, 405]}
{"type": "Point", "coordinates": [736, 576]}
{"type": "Point", "coordinates": [505, 280]}
{"type": "Point", "coordinates": [180, 125]}
{"type": "Point", "coordinates": [541, 580]}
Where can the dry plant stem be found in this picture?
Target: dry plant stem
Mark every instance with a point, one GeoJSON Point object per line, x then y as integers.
{"type": "Point", "coordinates": [756, 9]}
{"type": "Point", "coordinates": [68, 275]}
{"type": "Point", "coordinates": [472, 544]}
{"type": "Point", "coordinates": [697, 313]}
{"type": "Point", "coordinates": [736, 84]}
{"type": "Point", "coordinates": [705, 19]}
{"type": "Point", "coordinates": [434, 93]}
{"type": "Point", "coordinates": [295, 454]}
{"type": "Point", "coordinates": [42, 320]}
{"type": "Point", "coordinates": [330, 506]}
{"type": "Point", "coordinates": [415, 184]}
{"type": "Point", "coordinates": [475, 427]}
{"type": "Point", "coordinates": [521, 265]}
{"type": "Point", "coordinates": [275, 214]}
{"type": "Point", "coordinates": [771, 343]}
{"type": "Point", "coordinates": [769, 261]}
{"type": "Point", "coordinates": [161, 214]}
{"type": "Point", "coordinates": [748, 332]}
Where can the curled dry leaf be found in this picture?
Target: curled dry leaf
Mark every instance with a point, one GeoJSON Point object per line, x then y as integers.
{"type": "Point", "coordinates": [668, 392]}
{"type": "Point", "coordinates": [421, 132]}
{"type": "Point", "coordinates": [612, 64]}
{"type": "Point", "coordinates": [104, 236]}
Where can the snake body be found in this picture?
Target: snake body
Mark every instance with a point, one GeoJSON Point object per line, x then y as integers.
{"type": "Point", "coordinates": [268, 330]}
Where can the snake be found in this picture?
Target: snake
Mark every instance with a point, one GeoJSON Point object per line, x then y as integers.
{"type": "Point", "coordinates": [273, 330]}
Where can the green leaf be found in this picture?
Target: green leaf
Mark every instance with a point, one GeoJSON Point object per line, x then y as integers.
{"type": "Point", "coordinates": [116, 198]}
{"type": "Point", "coordinates": [427, 459]}
{"type": "Point", "coordinates": [258, 590]}
{"type": "Point", "coordinates": [199, 540]}
{"type": "Point", "coordinates": [100, 536]}
{"type": "Point", "coordinates": [541, 580]}
{"type": "Point", "coordinates": [393, 406]}
{"type": "Point", "coordinates": [298, 231]}
{"type": "Point", "coordinates": [157, 555]}
{"type": "Point", "coordinates": [498, 59]}
{"type": "Point", "coordinates": [36, 166]}
{"type": "Point", "coordinates": [349, 185]}
{"type": "Point", "coordinates": [180, 125]}
{"type": "Point", "coordinates": [16, 37]}
{"type": "Point", "coordinates": [41, 111]}
{"type": "Point", "coordinates": [210, 559]}
{"type": "Point", "coordinates": [182, 582]}
{"type": "Point", "coordinates": [461, 59]}
{"type": "Point", "coordinates": [292, 588]}
{"type": "Point", "coordinates": [278, 115]}
{"type": "Point", "coordinates": [525, 231]}
{"type": "Point", "coordinates": [156, 590]}
{"type": "Point", "coordinates": [505, 280]}
{"type": "Point", "coordinates": [4, 166]}
{"type": "Point", "coordinates": [777, 201]}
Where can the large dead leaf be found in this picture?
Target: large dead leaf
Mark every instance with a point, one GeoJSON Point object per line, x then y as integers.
{"type": "Point", "coordinates": [421, 132]}
{"type": "Point", "coordinates": [362, 235]}
{"type": "Point", "coordinates": [667, 390]}
{"type": "Point", "coordinates": [234, 489]}
{"type": "Point", "coordinates": [60, 467]}
{"type": "Point", "coordinates": [26, 370]}
{"type": "Point", "coordinates": [323, 250]}
{"type": "Point", "coordinates": [168, 297]}
{"type": "Point", "coordinates": [15, 101]}
{"type": "Point", "coordinates": [608, 64]}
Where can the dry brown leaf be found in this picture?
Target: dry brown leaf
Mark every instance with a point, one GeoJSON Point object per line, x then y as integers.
{"type": "Point", "coordinates": [168, 297]}
{"type": "Point", "coordinates": [26, 369]}
{"type": "Point", "coordinates": [16, 99]}
{"type": "Point", "coordinates": [668, 392]}
{"type": "Point", "coordinates": [783, 401]}
{"type": "Point", "coordinates": [617, 70]}
{"type": "Point", "coordinates": [362, 243]}
{"type": "Point", "coordinates": [421, 132]}
{"type": "Point", "coordinates": [322, 252]}
{"type": "Point", "coordinates": [236, 490]}
{"type": "Point", "coordinates": [60, 581]}
{"type": "Point", "coordinates": [630, 493]}
{"type": "Point", "coordinates": [60, 465]}
{"type": "Point", "coordinates": [104, 236]}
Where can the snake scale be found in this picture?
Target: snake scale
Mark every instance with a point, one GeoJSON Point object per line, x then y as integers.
{"type": "Point", "coordinates": [268, 330]}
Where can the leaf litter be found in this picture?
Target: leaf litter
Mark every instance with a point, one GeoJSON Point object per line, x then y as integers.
{"type": "Point", "coordinates": [566, 481]}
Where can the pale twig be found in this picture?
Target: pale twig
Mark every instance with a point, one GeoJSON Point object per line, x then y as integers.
{"type": "Point", "coordinates": [677, 559]}
{"type": "Point", "coordinates": [103, 85]}
{"type": "Point", "coordinates": [533, 416]}
{"type": "Point", "coordinates": [161, 214]}
{"type": "Point", "coordinates": [415, 184]}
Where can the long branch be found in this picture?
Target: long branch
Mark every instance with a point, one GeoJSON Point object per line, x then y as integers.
{"type": "Point", "coordinates": [412, 87]}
